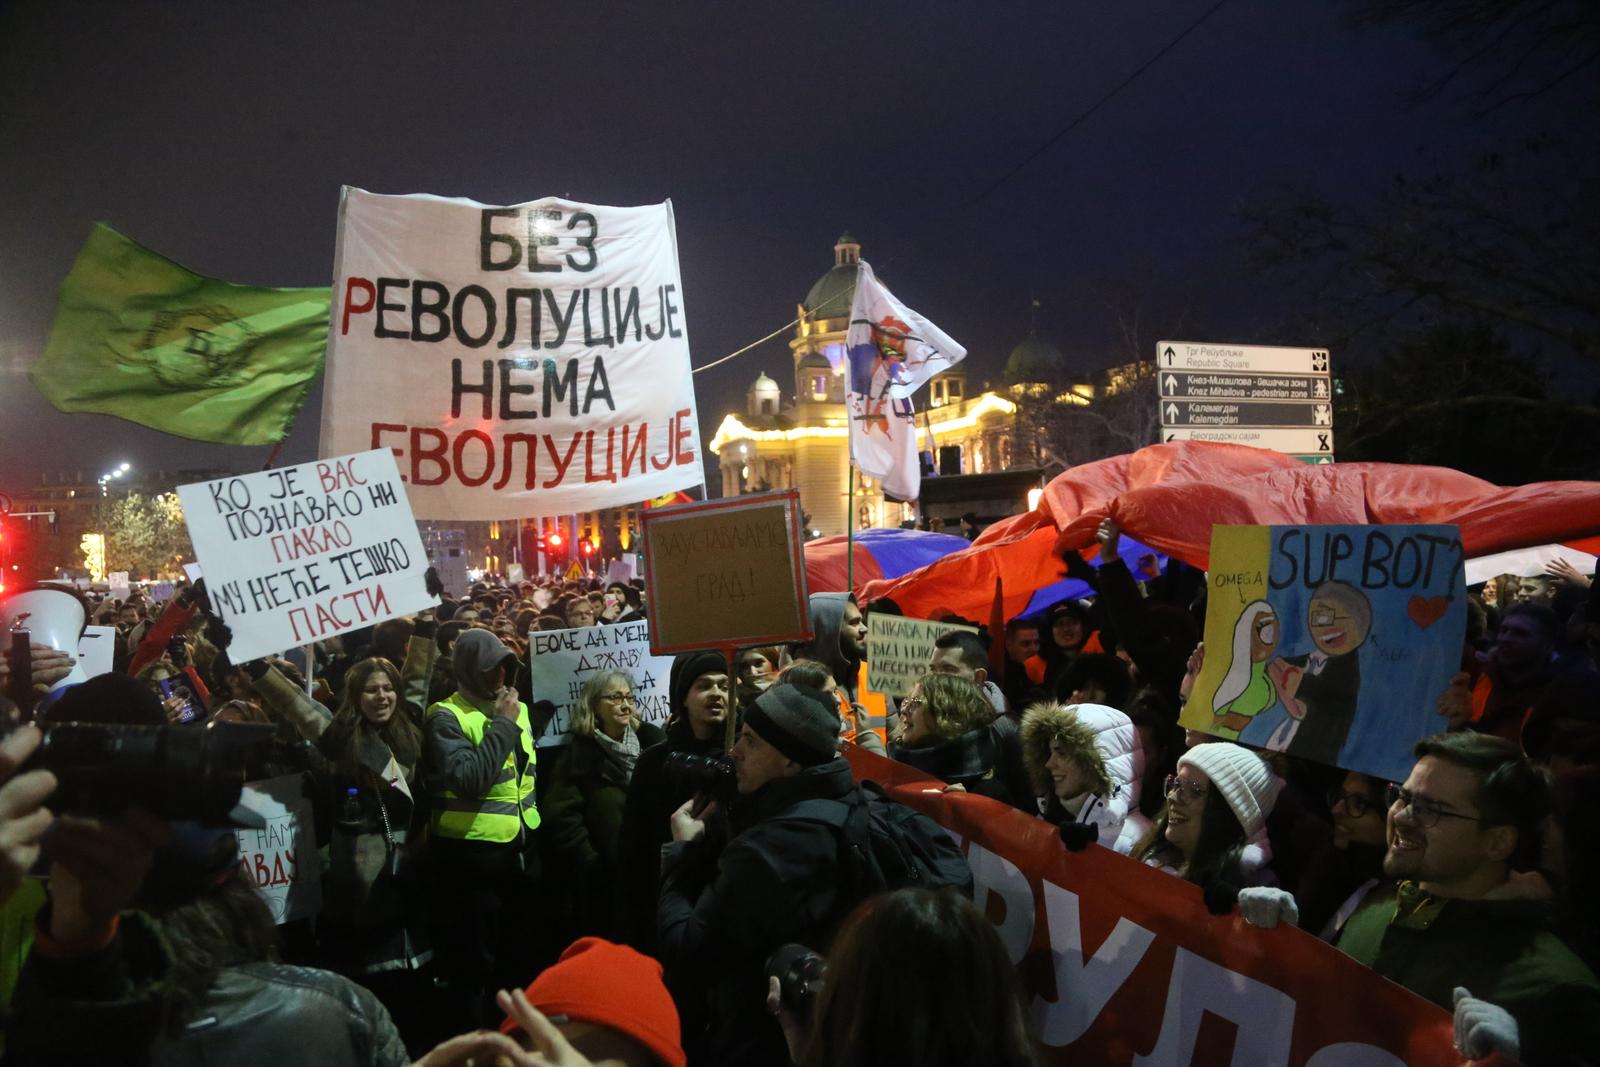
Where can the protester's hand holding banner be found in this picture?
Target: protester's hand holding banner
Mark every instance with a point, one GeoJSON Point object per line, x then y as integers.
{"type": "Point", "coordinates": [1331, 642]}
{"type": "Point", "coordinates": [560, 661]}
{"type": "Point", "coordinates": [520, 360]}
{"type": "Point", "coordinates": [298, 554]}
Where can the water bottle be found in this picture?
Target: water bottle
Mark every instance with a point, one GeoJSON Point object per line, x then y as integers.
{"type": "Point", "coordinates": [350, 812]}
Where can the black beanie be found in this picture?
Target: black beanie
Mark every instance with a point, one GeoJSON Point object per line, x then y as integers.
{"type": "Point", "coordinates": [797, 720]}
{"type": "Point", "coordinates": [689, 666]}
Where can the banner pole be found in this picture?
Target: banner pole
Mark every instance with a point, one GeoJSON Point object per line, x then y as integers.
{"type": "Point", "coordinates": [850, 533]}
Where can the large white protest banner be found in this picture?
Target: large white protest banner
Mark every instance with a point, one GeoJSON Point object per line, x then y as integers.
{"type": "Point", "coordinates": [560, 661]}
{"type": "Point", "coordinates": [520, 361]}
{"type": "Point", "coordinates": [280, 858]}
{"type": "Point", "coordinates": [298, 554]}
{"type": "Point", "coordinates": [898, 650]}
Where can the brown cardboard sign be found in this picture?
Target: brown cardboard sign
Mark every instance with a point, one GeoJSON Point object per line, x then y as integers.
{"type": "Point", "coordinates": [724, 573]}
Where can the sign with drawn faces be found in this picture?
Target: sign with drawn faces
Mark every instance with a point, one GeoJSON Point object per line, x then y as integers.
{"type": "Point", "coordinates": [1331, 642]}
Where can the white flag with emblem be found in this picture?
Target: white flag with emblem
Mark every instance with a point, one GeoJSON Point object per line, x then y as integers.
{"type": "Point", "coordinates": [892, 351]}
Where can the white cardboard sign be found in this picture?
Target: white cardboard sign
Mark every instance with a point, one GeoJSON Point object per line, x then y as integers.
{"type": "Point", "coordinates": [299, 554]}
{"type": "Point", "coordinates": [521, 360]}
{"type": "Point", "coordinates": [281, 858]}
{"type": "Point", "coordinates": [560, 661]}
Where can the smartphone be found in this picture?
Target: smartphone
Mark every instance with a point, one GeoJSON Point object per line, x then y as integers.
{"type": "Point", "coordinates": [178, 695]}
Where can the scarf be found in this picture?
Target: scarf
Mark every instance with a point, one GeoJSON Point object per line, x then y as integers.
{"type": "Point", "coordinates": [620, 756]}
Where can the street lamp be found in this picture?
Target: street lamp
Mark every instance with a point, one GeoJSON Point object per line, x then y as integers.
{"type": "Point", "coordinates": [112, 475]}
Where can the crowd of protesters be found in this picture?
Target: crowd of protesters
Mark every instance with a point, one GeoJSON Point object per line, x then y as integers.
{"type": "Point", "coordinates": [640, 880]}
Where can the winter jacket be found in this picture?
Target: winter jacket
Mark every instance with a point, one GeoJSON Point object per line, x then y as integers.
{"type": "Point", "coordinates": [1105, 743]}
{"type": "Point", "coordinates": [974, 761]}
{"type": "Point", "coordinates": [1500, 950]}
{"type": "Point", "coordinates": [652, 798]}
{"type": "Point", "coordinates": [722, 914]}
{"type": "Point", "coordinates": [110, 1007]}
{"type": "Point", "coordinates": [583, 809]}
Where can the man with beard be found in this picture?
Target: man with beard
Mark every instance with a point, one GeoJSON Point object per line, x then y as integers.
{"type": "Point", "coordinates": [1458, 929]}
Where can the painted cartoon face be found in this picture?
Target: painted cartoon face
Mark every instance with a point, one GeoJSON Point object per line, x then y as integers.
{"type": "Point", "coordinates": [890, 337]}
{"type": "Point", "coordinates": [1264, 637]}
{"type": "Point", "coordinates": [1335, 626]}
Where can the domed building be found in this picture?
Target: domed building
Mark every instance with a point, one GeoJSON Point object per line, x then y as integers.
{"type": "Point", "coordinates": [800, 440]}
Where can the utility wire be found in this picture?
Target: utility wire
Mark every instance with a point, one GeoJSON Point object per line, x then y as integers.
{"type": "Point", "coordinates": [1076, 121]}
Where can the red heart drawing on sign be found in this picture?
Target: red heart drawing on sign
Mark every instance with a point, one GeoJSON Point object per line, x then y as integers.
{"type": "Point", "coordinates": [1427, 610]}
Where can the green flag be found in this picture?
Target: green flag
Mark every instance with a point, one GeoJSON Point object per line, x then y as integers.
{"type": "Point", "coordinates": [139, 337]}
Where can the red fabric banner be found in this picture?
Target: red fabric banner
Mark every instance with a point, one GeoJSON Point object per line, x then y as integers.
{"type": "Point", "coordinates": [1169, 496]}
{"type": "Point", "coordinates": [1123, 965]}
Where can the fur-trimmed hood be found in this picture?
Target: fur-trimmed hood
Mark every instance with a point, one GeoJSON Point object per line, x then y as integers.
{"type": "Point", "coordinates": [1106, 743]}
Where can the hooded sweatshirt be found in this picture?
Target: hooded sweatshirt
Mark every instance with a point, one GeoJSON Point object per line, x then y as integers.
{"type": "Point", "coordinates": [460, 766]}
{"type": "Point", "coordinates": [827, 618]}
{"type": "Point", "coordinates": [1105, 743]}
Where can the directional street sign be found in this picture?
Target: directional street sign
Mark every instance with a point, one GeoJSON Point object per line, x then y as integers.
{"type": "Point", "coordinates": [1216, 385]}
{"type": "Point", "coordinates": [1312, 442]}
{"type": "Point", "coordinates": [1257, 395]}
{"type": "Point", "coordinates": [1245, 413]}
{"type": "Point", "coordinates": [1192, 355]}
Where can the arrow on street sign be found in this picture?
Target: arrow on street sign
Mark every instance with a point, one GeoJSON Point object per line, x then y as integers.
{"type": "Point", "coordinates": [1243, 385]}
{"type": "Point", "coordinates": [1260, 413]}
{"type": "Point", "coordinates": [1210, 356]}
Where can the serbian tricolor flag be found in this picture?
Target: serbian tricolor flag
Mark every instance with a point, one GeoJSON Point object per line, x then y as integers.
{"type": "Point", "coordinates": [893, 350]}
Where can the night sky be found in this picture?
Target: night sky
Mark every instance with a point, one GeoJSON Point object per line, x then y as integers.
{"type": "Point", "coordinates": [219, 135]}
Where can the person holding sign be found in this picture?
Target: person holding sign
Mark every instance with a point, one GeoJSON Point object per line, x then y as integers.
{"type": "Point", "coordinates": [480, 749]}
{"type": "Point", "coordinates": [588, 789]}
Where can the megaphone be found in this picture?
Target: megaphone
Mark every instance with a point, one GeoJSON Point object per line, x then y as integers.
{"type": "Point", "coordinates": [52, 617]}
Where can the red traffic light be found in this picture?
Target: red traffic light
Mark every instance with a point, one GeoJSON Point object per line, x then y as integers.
{"type": "Point", "coordinates": [555, 540]}
{"type": "Point", "coordinates": [588, 548]}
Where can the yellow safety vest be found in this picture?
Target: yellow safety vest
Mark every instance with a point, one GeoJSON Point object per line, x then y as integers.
{"type": "Point", "coordinates": [497, 814]}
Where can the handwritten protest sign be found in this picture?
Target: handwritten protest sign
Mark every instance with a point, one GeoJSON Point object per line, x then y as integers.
{"type": "Point", "coordinates": [560, 661]}
{"type": "Point", "coordinates": [280, 859]}
{"type": "Point", "coordinates": [518, 360]}
{"type": "Point", "coordinates": [1122, 964]}
{"type": "Point", "coordinates": [298, 554]}
{"type": "Point", "coordinates": [97, 648]}
{"type": "Point", "coordinates": [726, 572]}
{"type": "Point", "coordinates": [898, 650]}
{"type": "Point", "coordinates": [1331, 642]}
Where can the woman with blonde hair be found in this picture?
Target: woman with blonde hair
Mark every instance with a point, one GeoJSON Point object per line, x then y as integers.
{"type": "Point", "coordinates": [948, 730]}
{"type": "Point", "coordinates": [587, 789]}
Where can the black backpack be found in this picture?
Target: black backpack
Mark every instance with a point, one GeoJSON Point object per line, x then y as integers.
{"type": "Point", "coordinates": [885, 845]}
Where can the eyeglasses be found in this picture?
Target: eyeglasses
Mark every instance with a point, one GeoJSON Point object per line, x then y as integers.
{"type": "Point", "coordinates": [626, 698]}
{"type": "Point", "coordinates": [1357, 804]}
{"type": "Point", "coordinates": [1426, 812]}
{"type": "Point", "coordinates": [1189, 791]}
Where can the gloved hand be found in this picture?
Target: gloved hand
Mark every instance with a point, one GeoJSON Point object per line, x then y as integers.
{"type": "Point", "coordinates": [1266, 907]}
{"type": "Point", "coordinates": [1482, 1028]}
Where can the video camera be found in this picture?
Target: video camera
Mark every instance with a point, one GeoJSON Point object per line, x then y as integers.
{"type": "Point", "coordinates": [193, 773]}
{"type": "Point", "coordinates": [709, 776]}
{"type": "Point", "coordinates": [800, 973]}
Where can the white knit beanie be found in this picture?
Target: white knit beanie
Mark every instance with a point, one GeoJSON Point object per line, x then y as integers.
{"type": "Point", "coordinates": [1244, 779]}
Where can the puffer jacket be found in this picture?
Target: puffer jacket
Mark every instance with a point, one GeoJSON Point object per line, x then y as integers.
{"type": "Point", "coordinates": [1105, 743]}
